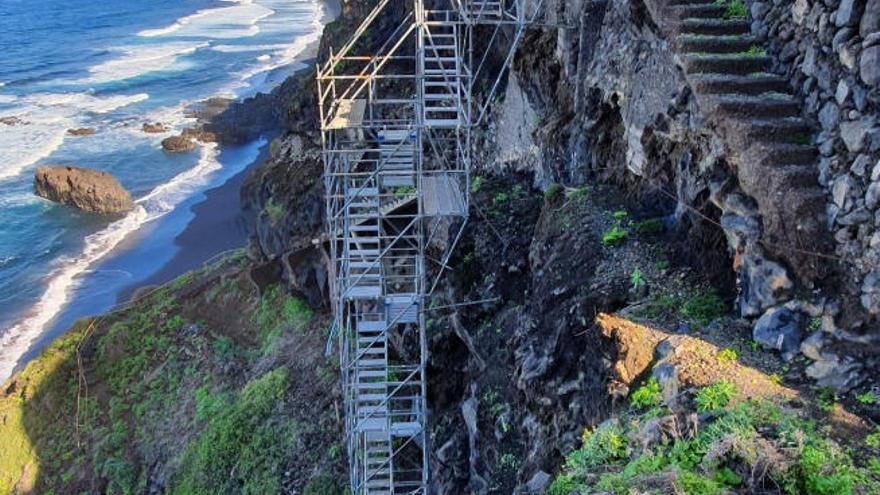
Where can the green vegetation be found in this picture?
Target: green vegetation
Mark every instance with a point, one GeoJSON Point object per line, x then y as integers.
{"type": "Point", "coordinates": [579, 194]}
{"type": "Point", "coordinates": [500, 198]}
{"type": "Point", "coordinates": [615, 237]}
{"type": "Point", "coordinates": [404, 191]}
{"type": "Point", "coordinates": [244, 445]}
{"type": "Point", "coordinates": [476, 183]}
{"type": "Point", "coordinates": [274, 211]}
{"type": "Point", "coordinates": [553, 193]}
{"type": "Point", "coordinates": [735, 9]}
{"type": "Point", "coordinates": [649, 227]}
{"type": "Point", "coordinates": [637, 279]}
{"type": "Point", "coordinates": [868, 398]}
{"type": "Point", "coordinates": [704, 307]}
{"type": "Point", "coordinates": [826, 399]}
{"type": "Point", "coordinates": [745, 447]}
{"type": "Point", "coordinates": [755, 52]}
{"type": "Point", "coordinates": [648, 395]}
{"type": "Point", "coordinates": [277, 313]}
{"type": "Point", "coordinates": [715, 396]}
{"type": "Point", "coordinates": [727, 356]}
{"type": "Point", "coordinates": [873, 440]}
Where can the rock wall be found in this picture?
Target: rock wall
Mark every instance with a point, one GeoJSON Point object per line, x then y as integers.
{"type": "Point", "coordinates": [830, 51]}
{"type": "Point", "coordinates": [615, 104]}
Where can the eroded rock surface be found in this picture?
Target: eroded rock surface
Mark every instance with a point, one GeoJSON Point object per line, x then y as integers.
{"type": "Point", "coordinates": [87, 189]}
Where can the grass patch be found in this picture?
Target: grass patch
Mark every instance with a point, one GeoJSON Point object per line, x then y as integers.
{"type": "Point", "coordinates": [648, 395]}
{"type": "Point", "coordinates": [715, 396]}
{"type": "Point", "coordinates": [244, 445]}
{"type": "Point", "coordinates": [726, 357]}
{"type": "Point", "coordinates": [704, 307]}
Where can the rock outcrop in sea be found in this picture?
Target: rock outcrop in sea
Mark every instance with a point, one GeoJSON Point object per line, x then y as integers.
{"type": "Point", "coordinates": [87, 189]}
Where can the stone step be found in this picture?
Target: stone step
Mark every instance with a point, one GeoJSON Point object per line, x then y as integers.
{"type": "Point", "coordinates": [792, 154]}
{"type": "Point", "coordinates": [754, 106]}
{"type": "Point", "coordinates": [796, 176]}
{"type": "Point", "coordinates": [715, 26]}
{"type": "Point", "coordinates": [699, 11]}
{"type": "Point", "coordinates": [784, 130]}
{"type": "Point", "coordinates": [748, 84]}
{"type": "Point", "coordinates": [716, 44]}
{"type": "Point", "coordinates": [726, 64]}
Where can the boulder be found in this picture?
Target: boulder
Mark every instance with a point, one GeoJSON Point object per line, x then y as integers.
{"type": "Point", "coordinates": [89, 190]}
{"type": "Point", "coordinates": [780, 329]}
{"type": "Point", "coordinates": [154, 128]}
{"type": "Point", "coordinates": [199, 134]}
{"type": "Point", "coordinates": [870, 19]}
{"type": "Point", "coordinates": [178, 144]}
{"type": "Point", "coordinates": [12, 120]}
{"type": "Point", "coordinates": [870, 66]}
{"type": "Point", "coordinates": [82, 131]}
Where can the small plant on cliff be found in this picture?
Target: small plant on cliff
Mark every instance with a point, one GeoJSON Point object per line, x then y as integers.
{"type": "Point", "coordinates": [736, 9]}
{"type": "Point", "coordinates": [826, 399]}
{"type": "Point", "coordinates": [868, 398]}
{"type": "Point", "coordinates": [274, 211]}
{"type": "Point", "coordinates": [756, 52]}
{"type": "Point", "coordinates": [705, 307]}
{"type": "Point", "coordinates": [476, 184]}
{"type": "Point", "coordinates": [648, 395]}
{"type": "Point", "coordinates": [579, 194]}
{"type": "Point", "coordinates": [637, 279]}
{"type": "Point", "coordinates": [618, 234]}
{"type": "Point", "coordinates": [604, 446]}
{"type": "Point", "coordinates": [715, 396]}
{"type": "Point", "coordinates": [403, 191]}
{"type": "Point", "coordinates": [553, 193]}
{"type": "Point", "coordinates": [873, 440]}
{"type": "Point", "coordinates": [814, 324]}
{"type": "Point", "coordinates": [726, 356]}
{"type": "Point", "coordinates": [650, 226]}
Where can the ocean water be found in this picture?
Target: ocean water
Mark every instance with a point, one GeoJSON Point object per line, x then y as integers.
{"type": "Point", "coordinates": [113, 66]}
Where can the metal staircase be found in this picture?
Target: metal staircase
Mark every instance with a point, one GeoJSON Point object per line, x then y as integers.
{"type": "Point", "coordinates": [396, 128]}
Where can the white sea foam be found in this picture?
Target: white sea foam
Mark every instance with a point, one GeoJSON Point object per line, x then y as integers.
{"type": "Point", "coordinates": [139, 60]}
{"type": "Point", "coordinates": [46, 118]}
{"type": "Point", "coordinates": [65, 278]}
{"type": "Point", "coordinates": [249, 48]}
{"type": "Point", "coordinates": [237, 21]}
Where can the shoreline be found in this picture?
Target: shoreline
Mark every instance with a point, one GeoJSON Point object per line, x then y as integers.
{"type": "Point", "coordinates": [217, 216]}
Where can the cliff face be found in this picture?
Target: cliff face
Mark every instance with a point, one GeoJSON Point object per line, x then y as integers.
{"type": "Point", "coordinates": [682, 127]}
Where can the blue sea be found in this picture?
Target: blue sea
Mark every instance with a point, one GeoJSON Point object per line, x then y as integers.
{"type": "Point", "coordinates": [113, 66]}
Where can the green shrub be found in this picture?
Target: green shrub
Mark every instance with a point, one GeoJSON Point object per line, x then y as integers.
{"type": "Point", "coordinates": [579, 193]}
{"type": "Point", "coordinates": [241, 449]}
{"type": "Point", "coordinates": [553, 193]}
{"type": "Point", "coordinates": [604, 446]}
{"type": "Point", "coordinates": [715, 396]}
{"type": "Point", "coordinates": [868, 398]}
{"type": "Point", "coordinates": [873, 440]}
{"type": "Point", "coordinates": [705, 307]}
{"type": "Point", "coordinates": [564, 484]}
{"type": "Point", "coordinates": [726, 356]}
{"type": "Point", "coordinates": [826, 399]}
{"type": "Point", "coordinates": [736, 9]}
{"type": "Point", "coordinates": [615, 237]}
{"type": "Point", "coordinates": [637, 279]}
{"type": "Point", "coordinates": [297, 313]}
{"type": "Point", "coordinates": [695, 484]}
{"type": "Point", "coordinates": [476, 184]}
{"type": "Point", "coordinates": [500, 197]}
{"type": "Point", "coordinates": [648, 395]}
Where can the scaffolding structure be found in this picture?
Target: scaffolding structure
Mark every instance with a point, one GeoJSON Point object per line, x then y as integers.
{"type": "Point", "coordinates": [397, 135]}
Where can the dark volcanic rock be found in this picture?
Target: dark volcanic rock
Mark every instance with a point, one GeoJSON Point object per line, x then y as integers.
{"type": "Point", "coordinates": [178, 144]}
{"type": "Point", "coordinates": [156, 128]}
{"type": "Point", "coordinates": [82, 131]}
{"type": "Point", "coordinates": [86, 189]}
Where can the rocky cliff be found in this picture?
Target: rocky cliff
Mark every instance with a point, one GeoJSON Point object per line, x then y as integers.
{"type": "Point", "coordinates": [665, 281]}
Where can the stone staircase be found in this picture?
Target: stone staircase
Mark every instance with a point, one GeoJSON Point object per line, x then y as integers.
{"type": "Point", "coordinates": [769, 143]}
